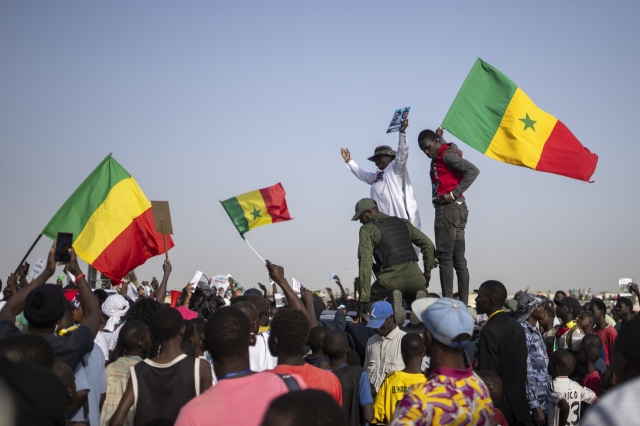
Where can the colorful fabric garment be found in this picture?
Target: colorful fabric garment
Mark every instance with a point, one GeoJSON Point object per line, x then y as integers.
{"type": "Point", "coordinates": [448, 397]}
{"type": "Point", "coordinates": [537, 377]}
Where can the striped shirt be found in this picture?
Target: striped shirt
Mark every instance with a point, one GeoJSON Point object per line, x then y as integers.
{"type": "Point", "coordinates": [118, 373]}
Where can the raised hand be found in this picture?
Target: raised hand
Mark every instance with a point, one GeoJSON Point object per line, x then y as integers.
{"type": "Point", "coordinates": [404, 125]}
{"type": "Point", "coordinates": [346, 155]}
{"type": "Point", "coordinates": [73, 266]}
{"type": "Point", "coordinates": [166, 267]}
{"type": "Point", "coordinates": [329, 291]}
{"type": "Point", "coordinates": [439, 132]}
{"type": "Point", "coordinates": [276, 272]}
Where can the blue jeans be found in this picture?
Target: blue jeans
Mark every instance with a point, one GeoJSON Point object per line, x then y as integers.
{"type": "Point", "coordinates": [450, 221]}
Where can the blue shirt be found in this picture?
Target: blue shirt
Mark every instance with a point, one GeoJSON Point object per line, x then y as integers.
{"type": "Point", "coordinates": [90, 374]}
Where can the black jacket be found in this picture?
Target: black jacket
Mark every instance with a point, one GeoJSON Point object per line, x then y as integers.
{"type": "Point", "coordinates": [503, 349]}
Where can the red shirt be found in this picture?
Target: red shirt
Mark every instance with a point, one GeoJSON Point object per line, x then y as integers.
{"type": "Point", "coordinates": [608, 336]}
{"type": "Point", "coordinates": [315, 378]}
{"type": "Point", "coordinates": [498, 417]}
{"type": "Point", "coordinates": [593, 382]}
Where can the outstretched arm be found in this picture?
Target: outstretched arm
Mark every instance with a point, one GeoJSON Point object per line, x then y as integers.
{"type": "Point", "coordinates": [366, 177]}
{"type": "Point", "coordinates": [88, 300]}
{"type": "Point", "coordinates": [162, 290]}
{"type": "Point", "coordinates": [400, 162]}
{"type": "Point", "coordinates": [15, 304]}
{"type": "Point", "coordinates": [276, 273]}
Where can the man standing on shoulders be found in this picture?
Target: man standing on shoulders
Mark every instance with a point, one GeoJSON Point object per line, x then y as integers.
{"type": "Point", "coordinates": [383, 354]}
{"type": "Point", "coordinates": [389, 240]}
{"type": "Point", "coordinates": [451, 176]}
{"type": "Point", "coordinates": [502, 348]}
{"type": "Point", "coordinates": [390, 185]}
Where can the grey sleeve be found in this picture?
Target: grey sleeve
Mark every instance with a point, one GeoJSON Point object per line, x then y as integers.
{"type": "Point", "coordinates": [470, 172]}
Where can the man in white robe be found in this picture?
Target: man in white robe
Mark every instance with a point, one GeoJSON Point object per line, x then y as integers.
{"type": "Point", "coordinates": [390, 184]}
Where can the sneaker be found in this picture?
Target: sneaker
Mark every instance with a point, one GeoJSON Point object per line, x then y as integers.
{"type": "Point", "coordinates": [399, 313]}
{"type": "Point", "coordinates": [415, 321]}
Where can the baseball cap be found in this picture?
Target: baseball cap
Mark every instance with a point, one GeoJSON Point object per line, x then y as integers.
{"type": "Point", "coordinates": [364, 205]}
{"type": "Point", "coordinates": [572, 304]}
{"type": "Point", "coordinates": [445, 319]}
{"type": "Point", "coordinates": [380, 311]}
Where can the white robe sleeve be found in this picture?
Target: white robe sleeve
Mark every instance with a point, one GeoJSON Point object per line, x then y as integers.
{"type": "Point", "coordinates": [366, 177]}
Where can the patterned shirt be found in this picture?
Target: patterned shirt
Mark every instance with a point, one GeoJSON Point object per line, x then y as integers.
{"type": "Point", "coordinates": [118, 373]}
{"type": "Point", "coordinates": [537, 361]}
{"type": "Point", "coordinates": [449, 396]}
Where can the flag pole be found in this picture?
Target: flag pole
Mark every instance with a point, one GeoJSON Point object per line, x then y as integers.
{"type": "Point", "coordinates": [29, 252]}
{"type": "Point", "coordinates": [254, 250]}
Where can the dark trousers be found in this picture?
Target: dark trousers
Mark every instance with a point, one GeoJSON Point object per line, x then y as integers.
{"type": "Point", "coordinates": [450, 221]}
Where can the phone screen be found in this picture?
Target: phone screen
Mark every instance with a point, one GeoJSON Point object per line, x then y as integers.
{"type": "Point", "coordinates": [63, 244]}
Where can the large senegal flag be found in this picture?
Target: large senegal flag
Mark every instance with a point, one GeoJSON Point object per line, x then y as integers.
{"type": "Point", "coordinates": [256, 208]}
{"type": "Point", "coordinates": [493, 115]}
{"type": "Point", "coordinates": [111, 221]}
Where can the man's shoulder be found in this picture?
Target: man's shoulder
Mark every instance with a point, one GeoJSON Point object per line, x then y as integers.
{"type": "Point", "coordinates": [376, 338]}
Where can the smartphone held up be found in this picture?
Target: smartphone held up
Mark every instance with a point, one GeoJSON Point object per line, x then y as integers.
{"type": "Point", "coordinates": [63, 244]}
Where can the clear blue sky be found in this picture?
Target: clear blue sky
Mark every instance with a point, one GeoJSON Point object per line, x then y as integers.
{"type": "Point", "coordinates": [202, 101]}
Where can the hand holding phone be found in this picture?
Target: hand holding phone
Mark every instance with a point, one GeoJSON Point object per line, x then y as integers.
{"type": "Point", "coordinates": [63, 244]}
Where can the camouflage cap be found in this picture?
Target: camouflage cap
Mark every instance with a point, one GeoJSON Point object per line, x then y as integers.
{"type": "Point", "coordinates": [382, 150]}
{"type": "Point", "coordinates": [362, 206]}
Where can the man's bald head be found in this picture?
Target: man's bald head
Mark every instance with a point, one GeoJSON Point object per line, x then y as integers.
{"type": "Point", "coordinates": [251, 312]}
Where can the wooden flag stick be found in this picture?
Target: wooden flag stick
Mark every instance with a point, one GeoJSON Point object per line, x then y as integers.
{"type": "Point", "coordinates": [164, 241]}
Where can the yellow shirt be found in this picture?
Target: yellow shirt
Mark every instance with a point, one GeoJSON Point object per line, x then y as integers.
{"type": "Point", "coordinates": [391, 392]}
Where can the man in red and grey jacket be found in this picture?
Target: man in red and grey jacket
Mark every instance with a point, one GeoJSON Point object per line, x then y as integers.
{"type": "Point", "coordinates": [451, 176]}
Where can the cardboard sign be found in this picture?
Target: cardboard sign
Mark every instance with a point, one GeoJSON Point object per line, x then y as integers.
{"type": "Point", "coordinates": [399, 117]}
{"type": "Point", "coordinates": [625, 287]}
{"type": "Point", "coordinates": [162, 217]}
{"type": "Point", "coordinates": [279, 300]}
{"type": "Point", "coordinates": [296, 285]}
{"type": "Point", "coordinates": [38, 267]}
{"type": "Point", "coordinates": [131, 276]}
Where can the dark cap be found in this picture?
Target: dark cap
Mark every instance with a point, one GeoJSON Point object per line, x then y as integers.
{"type": "Point", "coordinates": [572, 304]}
{"type": "Point", "coordinates": [382, 150]}
{"type": "Point", "coordinates": [362, 206]}
{"type": "Point", "coordinates": [44, 306]}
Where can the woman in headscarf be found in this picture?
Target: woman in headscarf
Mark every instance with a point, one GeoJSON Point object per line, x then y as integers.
{"type": "Point", "coordinates": [530, 310]}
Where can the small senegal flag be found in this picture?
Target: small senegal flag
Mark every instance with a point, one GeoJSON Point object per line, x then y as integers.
{"type": "Point", "coordinates": [256, 208]}
{"type": "Point", "coordinates": [494, 116]}
{"type": "Point", "coordinates": [111, 221]}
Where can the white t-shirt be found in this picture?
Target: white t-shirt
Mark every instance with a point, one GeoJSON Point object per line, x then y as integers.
{"type": "Point", "coordinates": [260, 358]}
{"type": "Point", "coordinates": [573, 393]}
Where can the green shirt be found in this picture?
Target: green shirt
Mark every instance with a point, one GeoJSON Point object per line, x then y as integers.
{"type": "Point", "coordinates": [370, 237]}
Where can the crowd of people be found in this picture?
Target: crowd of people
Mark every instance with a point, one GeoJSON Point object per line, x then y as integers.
{"type": "Point", "coordinates": [394, 354]}
{"type": "Point", "coordinates": [73, 355]}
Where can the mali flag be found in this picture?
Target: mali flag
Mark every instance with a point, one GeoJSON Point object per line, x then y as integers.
{"type": "Point", "coordinates": [111, 221]}
{"type": "Point", "coordinates": [256, 208]}
{"type": "Point", "coordinates": [494, 116]}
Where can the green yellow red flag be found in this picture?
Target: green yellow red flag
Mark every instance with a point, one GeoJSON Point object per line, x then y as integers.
{"type": "Point", "coordinates": [256, 208]}
{"type": "Point", "coordinates": [111, 221]}
{"type": "Point", "coordinates": [493, 115]}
